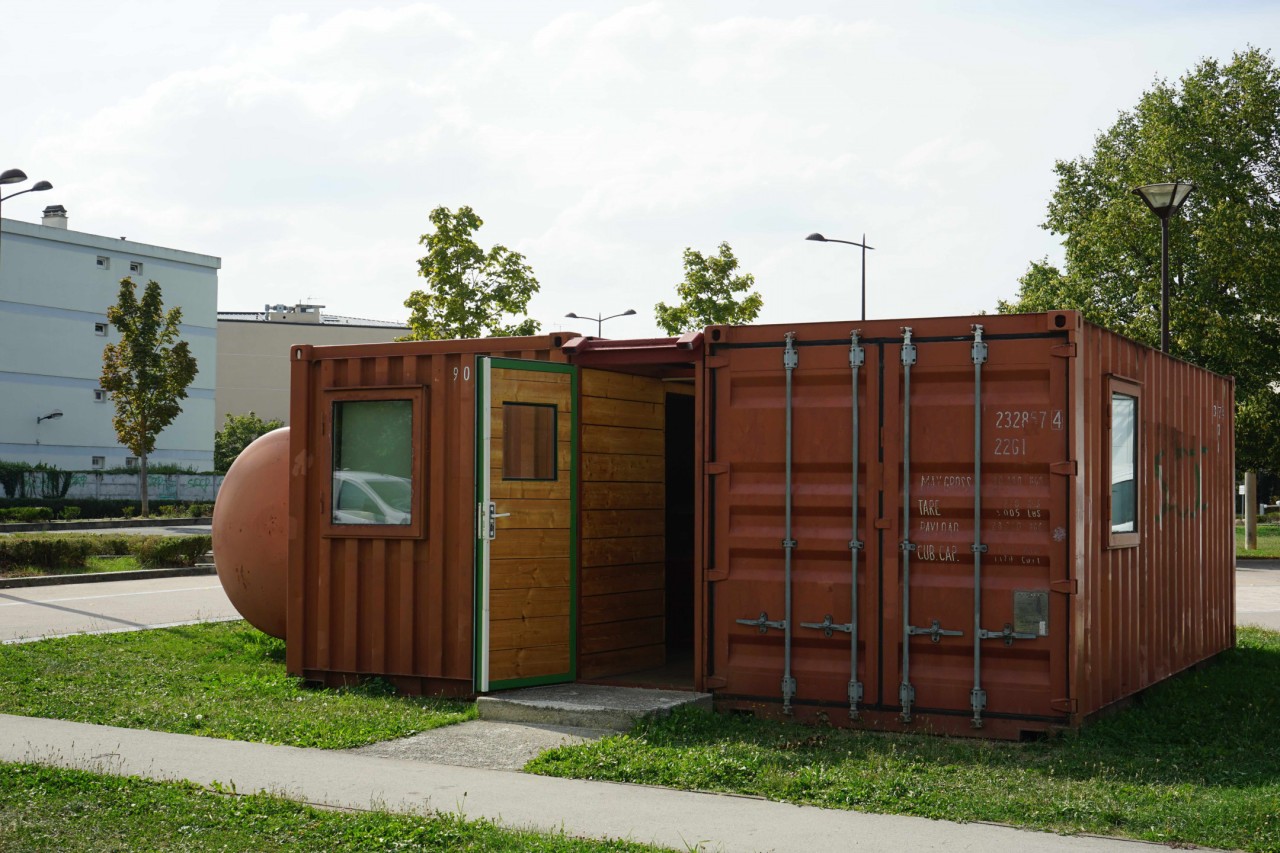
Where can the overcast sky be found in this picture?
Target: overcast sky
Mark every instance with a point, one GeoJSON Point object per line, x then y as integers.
{"type": "Point", "coordinates": [305, 143]}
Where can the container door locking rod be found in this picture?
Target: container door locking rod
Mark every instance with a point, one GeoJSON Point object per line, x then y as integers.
{"type": "Point", "coordinates": [906, 693]}
{"type": "Point", "coordinates": [790, 359]}
{"type": "Point", "coordinates": [856, 359]}
{"type": "Point", "coordinates": [977, 696]}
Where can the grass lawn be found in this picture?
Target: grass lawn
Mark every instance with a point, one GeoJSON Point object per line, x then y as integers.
{"type": "Point", "coordinates": [70, 810]}
{"type": "Point", "coordinates": [222, 680]}
{"type": "Point", "coordinates": [1196, 761]}
{"type": "Point", "coordinates": [1268, 541]}
{"type": "Point", "coordinates": [93, 565]}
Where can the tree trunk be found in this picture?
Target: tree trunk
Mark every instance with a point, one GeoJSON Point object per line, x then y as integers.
{"type": "Point", "coordinates": [1251, 510]}
{"type": "Point", "coordinates": [142, 484]}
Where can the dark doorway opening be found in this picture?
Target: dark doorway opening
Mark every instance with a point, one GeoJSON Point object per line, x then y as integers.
{"type": "Point", "coordinates": [680, 482]}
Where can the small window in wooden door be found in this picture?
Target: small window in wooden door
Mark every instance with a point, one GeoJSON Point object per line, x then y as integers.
{"type": "Point", "coordinates": [528, 441]}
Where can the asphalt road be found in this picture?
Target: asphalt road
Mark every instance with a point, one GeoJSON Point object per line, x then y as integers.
{"type": "Point", "coordinates": [1258, 593]}
{"type": "Point", "coordinates": [51, 611]}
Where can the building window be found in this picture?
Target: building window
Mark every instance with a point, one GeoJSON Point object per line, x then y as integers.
{"type": "Point", "coordinates": [100, 329]}
{"type": "Point", "coordinates": [104, 263]}
{"type": "Point", "coordinates": [131, 462]}
{"type": "Point", "coordinates": [373, 462]}
{"type": "Point", "coordinates": [1124, 463]}
{"type": "Point", "coordinates": [528, 441]}
{"type": "Point", "coordinates": [99, 462]}
{"type": "Point", "coordinates": [99, 396]}
{"type": "Point", "coordinates": [135, 267]}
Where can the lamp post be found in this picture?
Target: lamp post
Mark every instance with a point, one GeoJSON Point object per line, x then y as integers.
{"type": "Point", "coordinates": [815, 236]}
{"type": "Point", "coordinates": [1164, 200]}
{"type": "Point", "coordinates": [599, 320]}
{"type": "Point", "coordinates": [17, 176]}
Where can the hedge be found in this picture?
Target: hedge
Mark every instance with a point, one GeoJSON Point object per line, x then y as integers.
{"type": "Point", "coordinates": [72, 550]}
{"type": "Point", "coordinates": [101, 508]}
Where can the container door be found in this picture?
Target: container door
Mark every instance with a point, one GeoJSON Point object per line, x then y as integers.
{"type": "Point", "coordinates": [526, 523]}
{"type": "Point", "coordinates": [975, 618]}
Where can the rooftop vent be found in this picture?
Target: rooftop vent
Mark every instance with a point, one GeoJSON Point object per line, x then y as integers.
{"type": "Point", "coordinates": [55, 216]}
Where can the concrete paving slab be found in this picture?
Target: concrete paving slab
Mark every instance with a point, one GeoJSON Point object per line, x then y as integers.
{"type": "Point", "coordinates": [677, 819]}
{"type": "Point", "coordinates": [585, 705]}
{"type": "Point", "coordinates": [482, 743]}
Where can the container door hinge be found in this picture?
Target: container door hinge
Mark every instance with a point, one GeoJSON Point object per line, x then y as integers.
{"type": "Point", "coordinates": [934, 632]}
{"type": "Point", "coordinates": [1067, 586]}
{"type": "Point", "coordinates": [1070, 468]}
{"type": "Point", "coordinates": [1066, 706]}
{"type": "Point", "coordinates": [712, 362]}
{"type": "Point", "coordinates": [882, 524]}
{"type": "Point", "coordinates": [714, 682]}
{"type": "Point", "coordinates": [763, 623]}
{"type": "Point", "coordinates": [714, 469]}
{"type": "Point", "coordinates": [1063, 351]}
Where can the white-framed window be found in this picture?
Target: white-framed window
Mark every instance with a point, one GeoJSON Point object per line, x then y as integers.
{"type": "Point", "coordinates": [131, 462]}
{"type": "Point", "coordinates": [99, 462]}
{"type": "Point", "coordinates": [104, 263]}
{"type": "Point", "coordinates": [135, 267]}
{"type": "Point", "coordinates": [100, 329]}
{"type": "Point", "coordinates": [99, 396]}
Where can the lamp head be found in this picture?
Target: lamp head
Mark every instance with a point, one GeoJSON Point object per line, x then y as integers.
{"type": "Point", "coordinates": [41, 186]}
{"type": "Point", "coordinates": [573, 316]}
{"type": "Point", "coordinates": [1164, 200]}
{"type": "Point", "coordinates": [628, 312]}
{"type": "Point", "coordinates": [12, 176]}
{"type": "Point", "coordinates": [52, 416]}
{"type": "Point", "coordinates": [816, 236]}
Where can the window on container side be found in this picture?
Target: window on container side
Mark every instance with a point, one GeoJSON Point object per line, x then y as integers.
{"type": "Point", "coordinates": [528, 441]}
{"type": "Point", "coordinates": [1124, 464]}
{"type": "Point", "coordinates": [373, 462]}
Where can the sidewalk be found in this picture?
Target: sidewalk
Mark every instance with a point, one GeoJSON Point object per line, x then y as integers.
{"type": "Point", "coordinates": [675, 819]}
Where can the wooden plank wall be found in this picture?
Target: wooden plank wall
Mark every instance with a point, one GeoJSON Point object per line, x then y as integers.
{"type": "Point", "coordinates": [623, 523]}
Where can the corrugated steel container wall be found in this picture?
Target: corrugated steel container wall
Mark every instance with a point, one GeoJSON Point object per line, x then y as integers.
{"type": "Point", "coordinates": [1043, 483]}
{"type": "Point", "coordinates": [1147, 612]}
{"type": "Point", "coordinates": [396, 606]}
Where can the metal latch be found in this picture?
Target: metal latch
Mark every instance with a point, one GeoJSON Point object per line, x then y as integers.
{"type": "Point", "coordinates": [979, 351]}
{"type": "Point", "coordinates": [827, 626]}
{"type": "Point", "coordinates": [1007, 634]}
{"type": "Point", "coordinates": [487, 516]}
{"type": "Point", "coordinates": [763, 623]}
{"type": "Point", "coordinates": [790, 356]}
{"type": "Point", "coordinates": [857, 356]}
{"type": "Point", "coordinates": [908, 348]}
{"type": "Point", "coordinates": [934, 632]}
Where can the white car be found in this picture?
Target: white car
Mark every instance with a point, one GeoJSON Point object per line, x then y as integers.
{"type": "Point", "coordinates": [367, 497]}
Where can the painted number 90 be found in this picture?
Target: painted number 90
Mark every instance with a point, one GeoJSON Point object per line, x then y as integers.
{"type": "Point", "coordinates": [466, 374]}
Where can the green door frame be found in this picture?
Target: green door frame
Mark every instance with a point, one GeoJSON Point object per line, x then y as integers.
{"type": "Point", "coordinates": [483, 431]}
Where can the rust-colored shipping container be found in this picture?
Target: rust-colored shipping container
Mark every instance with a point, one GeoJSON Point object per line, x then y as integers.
{"type": "Point", "coordinates": [1005, 522]}
{"type": "Point", "coordinates": [1042, 525]}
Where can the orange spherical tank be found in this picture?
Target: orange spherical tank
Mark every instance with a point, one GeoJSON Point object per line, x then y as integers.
{"type": "Point", "coordinates": [251, 532]}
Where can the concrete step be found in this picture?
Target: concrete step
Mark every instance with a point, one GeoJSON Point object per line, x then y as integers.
{"type": "Point", "coordinates": [592, 706]}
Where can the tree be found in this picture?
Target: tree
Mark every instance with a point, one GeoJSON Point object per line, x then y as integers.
{"type": "Point", "coordinates": [707, 294]}
{"type": "Point", "coordinates": [147, 373]}
{"type": "Point", "coordinates": [236, 434]}
{"type": "Point", "coordinates": [1218, 127]}
{"type": "Point", "coordinates": [471, 290]}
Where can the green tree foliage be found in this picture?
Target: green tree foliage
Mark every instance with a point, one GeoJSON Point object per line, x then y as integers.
{"type": "Point", "coordinates": [147, 373]}
{"type": "Point", "coordinates": [471, 290]}
{"type": "Point", "coordinates": [1218, 127]}
{"type": "Point", "coordinates": [236, 434]}
{"type": "Point", "coordinates": [708, 294]}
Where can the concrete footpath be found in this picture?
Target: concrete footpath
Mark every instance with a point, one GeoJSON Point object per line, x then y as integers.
{"type": "Point", "coordinates": [675, 819]}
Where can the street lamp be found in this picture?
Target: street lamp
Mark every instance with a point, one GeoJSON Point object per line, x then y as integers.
{"type": "Point", "coordinates": [599, 320]}
{"type": "Point", "coordinates": [52, 416]}
{"type": "Point", "coordinates": [815, 236]}
{"type": "Point", "coordinates": [16, 176]}
{"type": "Point", "coordinates": [1164, 200]}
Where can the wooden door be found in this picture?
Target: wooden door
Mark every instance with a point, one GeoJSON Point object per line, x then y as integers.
{"type": "Point", "coordinates": [526, 523]}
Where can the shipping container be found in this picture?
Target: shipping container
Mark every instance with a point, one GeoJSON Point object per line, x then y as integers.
{"type": "Point", "coordinates": [997, 524]}
{"type": "Point", "coordinates": [1001, 523]}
